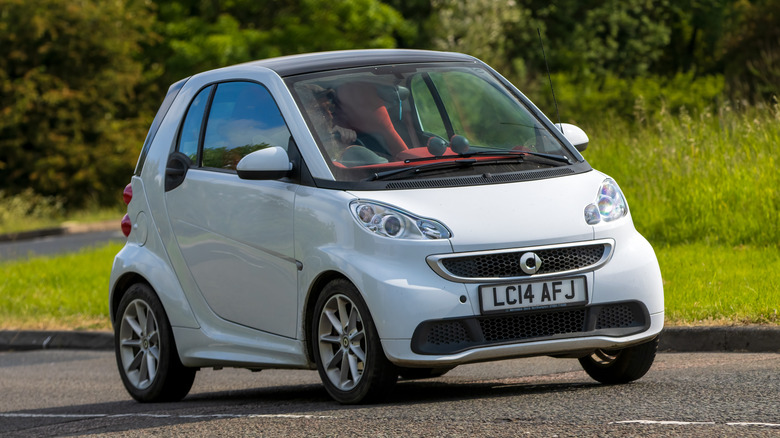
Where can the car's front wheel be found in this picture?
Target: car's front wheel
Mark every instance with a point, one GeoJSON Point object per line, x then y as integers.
{"type": "Point", "coordinates": [620, 366]}
{"type": "Point", "coordinates": [347, 350]}
{"type": "Point", "coordinates": [146, 351]}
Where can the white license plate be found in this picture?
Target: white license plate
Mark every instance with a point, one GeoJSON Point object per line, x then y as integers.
{"type": "Point", "coordinates": [538, 294]}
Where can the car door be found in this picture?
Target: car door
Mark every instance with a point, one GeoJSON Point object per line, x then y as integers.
{"type": "Point", "coordinates": [235, 235]}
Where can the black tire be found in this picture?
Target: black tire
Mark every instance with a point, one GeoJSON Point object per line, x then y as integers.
{"type": "Point", "coordinates": [145, 350]}
{"type": "Point", "coordinates": [620, 366]}
{"type": "Point", "coordinates": [422, 373]}
{"type": "Point", "coordinates": [347, 349]}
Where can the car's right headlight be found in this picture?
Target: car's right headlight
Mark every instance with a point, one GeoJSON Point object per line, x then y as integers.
{"type": "Point", "coordinates": [393, 222]}
{"type": "Point", "coordinates": [609, 205]}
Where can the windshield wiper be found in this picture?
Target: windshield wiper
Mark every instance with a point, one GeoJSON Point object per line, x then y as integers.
{"type": "Point", "coordinates": [465, 160]}
{"type": "Point", "coordinates": [515, 154]}
{"type": "Point", "coordinates": [558, 158]}
{"type": "Point", "coordinates": [422, 168]}
{"type": "Point", "coordinates": [459, 163]}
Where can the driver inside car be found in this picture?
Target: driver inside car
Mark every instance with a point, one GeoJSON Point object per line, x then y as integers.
{"type": "Point", "coordinates": [330, 121]}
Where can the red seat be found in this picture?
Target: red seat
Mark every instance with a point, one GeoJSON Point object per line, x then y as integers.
{"type": "Point", "coordinates": [362, 110]}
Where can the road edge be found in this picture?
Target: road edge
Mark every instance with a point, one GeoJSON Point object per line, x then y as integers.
{"type": "Point", "coordinates": [752, 339]}
{"type": "Point", "coordinates": [66, 228]}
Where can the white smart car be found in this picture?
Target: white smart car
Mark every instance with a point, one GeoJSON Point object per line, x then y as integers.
{"type": "Point", "coordinates": [372, 214]}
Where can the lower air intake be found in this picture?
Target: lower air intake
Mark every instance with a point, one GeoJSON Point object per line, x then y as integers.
{"type": "Point", "coordinates": [455, 335]}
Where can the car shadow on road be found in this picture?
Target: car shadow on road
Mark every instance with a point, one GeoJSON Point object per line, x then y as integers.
{"type": "Point", "coordinates": [272, 403]}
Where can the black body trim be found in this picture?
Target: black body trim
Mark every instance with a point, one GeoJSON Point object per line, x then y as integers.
{"type": "Point", "coordinates": [323, 61]}
{"type": "Point", "coordinates": [454, 335]}
{"type": "Point", "coordinates": [173, 91]}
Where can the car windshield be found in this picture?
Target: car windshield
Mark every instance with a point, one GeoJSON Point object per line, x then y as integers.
{"type": "Point", "coordinates": [420, 121]}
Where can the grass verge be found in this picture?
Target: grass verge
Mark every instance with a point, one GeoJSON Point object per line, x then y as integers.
{"type": "Point", "coordinates": [67, 292]}
{"type": "Point", "coordinates": [704, 285]}
{"type": "Point", "coordinates": [708, 178]}
{"type": "Point", "coordinates": [720, 285]}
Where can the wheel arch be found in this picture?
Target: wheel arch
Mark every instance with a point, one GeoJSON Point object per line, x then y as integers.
{"type": "Point", "coordinates": [135, 264]}
{"type": "Point", "coordinates": [315, 289]}
{"type": "Point", "coordinates": [121, 286]}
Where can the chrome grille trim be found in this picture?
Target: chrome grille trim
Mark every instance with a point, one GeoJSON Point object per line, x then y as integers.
{"type": "Point", "coordinates": [582, 264]}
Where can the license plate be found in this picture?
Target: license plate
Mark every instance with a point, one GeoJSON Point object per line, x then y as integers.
{"type": "Point", "coordinates": [532, 295]}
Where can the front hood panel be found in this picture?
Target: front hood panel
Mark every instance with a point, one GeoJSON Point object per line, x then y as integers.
{"type": "Point", "coordinates": [504, 215]}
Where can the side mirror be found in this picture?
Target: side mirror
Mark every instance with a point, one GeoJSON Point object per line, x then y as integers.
{"type": "Point", "coordinates": [576, 136]}
{"type": "Point", "coordinates": [269, 163]}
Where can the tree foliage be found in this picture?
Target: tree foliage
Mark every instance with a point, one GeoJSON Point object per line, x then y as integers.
{"type": "Point", "coordinates": [199, 35]}
{"type": "Point", "coordinates": [69, 124]}
{"type": "Point", "coordinates": [752, 50]}
{"type": "Point", "coordinates": [80, 79]}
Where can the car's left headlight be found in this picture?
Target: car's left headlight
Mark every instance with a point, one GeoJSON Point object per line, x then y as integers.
{"type": "Point", "coordinates": [609, 205]}
{"type": "Point", "coordinates": [393, 222]}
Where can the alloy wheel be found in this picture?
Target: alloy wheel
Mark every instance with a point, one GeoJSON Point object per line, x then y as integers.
{"type": "Point", "coordinates": [139, 344]}
{"type": "Point", "coordinates": [342, 342]}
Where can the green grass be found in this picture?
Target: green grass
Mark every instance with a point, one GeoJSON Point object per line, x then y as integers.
{"type": "Point", "coordinates": [62, 292]}
{"type": "Point", "coordinates": [705, 284]}
{"type": "Point", "coordinates": [712, 178]}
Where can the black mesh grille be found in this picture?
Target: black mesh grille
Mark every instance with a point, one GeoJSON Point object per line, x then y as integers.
{"type": "Point", "coordinates": [537, 325]}
{"type": "Point", "coordinates": [621, 315]}
{"type": "Point", "coordinates": [448, 333]}
{"type": "Point", "coordinates": [508, 264]}
{"type": "Point", "coordinates": [451, 336]}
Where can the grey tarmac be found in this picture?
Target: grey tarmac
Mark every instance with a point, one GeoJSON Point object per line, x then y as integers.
{"type": "Point", "coordinates": [78, 393]}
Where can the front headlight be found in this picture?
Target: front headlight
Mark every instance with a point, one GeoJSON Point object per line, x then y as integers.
{"type": "Point", "coordinates": [389, 221]}
{"type": "Point", "coordinates": [610, 204]}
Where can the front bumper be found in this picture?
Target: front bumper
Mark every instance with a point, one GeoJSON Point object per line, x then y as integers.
{"type": "Point", "coordinates": [625, 307]}
{"type": "Point", "coordinates": [398, 351]}
{"type": "Point", "coordinates": [451, 336]}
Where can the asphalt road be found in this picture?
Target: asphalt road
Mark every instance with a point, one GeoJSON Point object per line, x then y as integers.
{"type": "Point", "coordinates": [78, 393]}
{"type": "Point", "coordinates": [58, 244]}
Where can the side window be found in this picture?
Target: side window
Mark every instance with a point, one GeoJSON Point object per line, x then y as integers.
{"type": "Point", "coordinates": [190, 130]}
{"type": "Point", "coordinates": [243, 118]}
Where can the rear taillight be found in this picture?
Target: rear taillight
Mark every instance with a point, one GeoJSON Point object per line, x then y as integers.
{"type": "Point", "coordinates": [126, 225]}
{"type": "Point", "coordinates": [127, 196]}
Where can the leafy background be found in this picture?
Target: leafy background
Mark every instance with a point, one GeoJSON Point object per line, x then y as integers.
{"type": "Point", "coordinates": [80, 80]}
{"type": "Point", "coordinates": [679, 98]}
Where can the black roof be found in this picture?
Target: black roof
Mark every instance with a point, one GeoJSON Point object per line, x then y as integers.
{"type": "Point", "coordinates": [314, 62]}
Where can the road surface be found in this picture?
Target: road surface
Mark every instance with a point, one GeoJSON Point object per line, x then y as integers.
{"type": "Point", "coordinates": [52, 245]}
{"type": "Point", "coordinates": [66, 392]}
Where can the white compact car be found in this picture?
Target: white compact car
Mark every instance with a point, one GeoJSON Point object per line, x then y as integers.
{"type": "Point", "coordinates": [372, 214]}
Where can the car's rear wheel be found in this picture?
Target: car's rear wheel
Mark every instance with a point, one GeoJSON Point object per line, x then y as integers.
{"type": "Point", "coordinates": [347, 350]}
{"type": "Point", "coordinates": [620, 366]}
{"type": "Point", "coordinates": [146, 351]}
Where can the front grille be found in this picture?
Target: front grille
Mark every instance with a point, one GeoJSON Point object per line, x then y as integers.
{"type": "Point", "coordinates": [621, 315]}
{"type": "Point", "coordinates": [538, 325]}
{"type": "Point", "coordinates": [448, 333]}
{"type": "Point", "coordinates": [507, 264]}
{"type": "Point", "coordinates": [455, 335]}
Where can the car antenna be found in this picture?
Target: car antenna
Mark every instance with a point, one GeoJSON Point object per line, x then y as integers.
{"type": "Point", "coordinates": [560, 125]}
